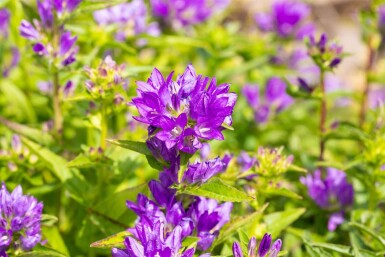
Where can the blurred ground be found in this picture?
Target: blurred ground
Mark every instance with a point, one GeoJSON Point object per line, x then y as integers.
{"type": "Point", "coordinates": [339, 19]}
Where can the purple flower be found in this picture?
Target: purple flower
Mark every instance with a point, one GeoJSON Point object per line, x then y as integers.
{"type": "Point", "coordinates": [66, 5]}
{"type": "Point", "coordinates": [335, 220]}
{"type": "Point", "coordinates": [265, 249]}
{"type": "Point", "coordinates": [205, 151]}
{"type": "Point", "coordinates": [67, 49]}
{"type": "Point", "coordinates": [286, 19]}
{"type": "Point", "coordinates": [209, 217]}
{"type": "Point", "coordinates": [332, 193]}
{"type": "Point", "coordinates": [28, 31]}
{"type": "Point", "coordinates": [15, 58]}
{"type": "Point", "coordinates": [376, 97]}
{"type": "Point", "coordinates": [180, 13]}
{"type": "Point", "coordinates": [275, 99]}
{"type": "Point", "coordinates": [185, 111]}
{"type": "Point", "coordinates": [130, 17]}
{"type": "Point", "coordinates": [20, 223]}
{"type": "Point", "coordinates": [151, 239]}
{"type": "Point", "coordinates": [4, 22]}
{"type": "Point", "coordinates": [201, 172]}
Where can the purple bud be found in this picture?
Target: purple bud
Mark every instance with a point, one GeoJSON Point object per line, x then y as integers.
{"type": "Point", "coordinates": [322, 43]}
{"type": "Point", "coordinates": [275, 248]}
{"type": "Point", "coordinates": [334, 62]}
{"type": "Point", "coordinates": [39, 48]}
{"type": "Point", "coordinates": [28, 31]}
{"type": "Point", "coordinates": [237, 250]}
{"type": "Point", "coordinates": [304, 85]}
{"type": "Point", "coordinates": [118, 99]}
{"type": "Point", "coordinates": [16, 144]}
{"type": "Point", "coordinates": [264, 246]}
{"type": "Point", "coordinates": [68, 88]}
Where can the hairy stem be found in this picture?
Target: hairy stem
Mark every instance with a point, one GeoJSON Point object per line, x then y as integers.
{"type": "Point", "coordinates": [364, 99]}
{"type": "Point", "coordinates": [323, 113]}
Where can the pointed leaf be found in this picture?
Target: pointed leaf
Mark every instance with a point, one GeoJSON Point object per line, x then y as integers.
{"type": "Point", "coordinates": [278, 221]}
{"type": "Point", "coordinates": [216, 189]}
{"type": "Point", "coordinates": [116, 240]}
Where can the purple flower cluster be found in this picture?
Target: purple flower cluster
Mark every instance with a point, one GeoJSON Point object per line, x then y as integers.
{"type": "Point", "coordinates": [41, 32]}
{"type": "Point", "coordinates": [20, 217]}
{"type": "Point", "coordinates": [131, 19]}
{"type": "Point", "coordinates": [181, 13]}
{"type": "Point", "coordinates": [275, 99]}
{"type": "Point", "coordinates": [326, 55]}
{"type": "Point", "coordinates": [332, 193]}
{"type": "Point", "coordinates": [202, 218]}
{"type": "Point", "coordinates": [265, 248]}
{"type": "Point", "coordinates": [286, 19]}
{"type": "Point", "coordinates": [151, 239]}
{"type": "Point", "coordinates": [184, 112]}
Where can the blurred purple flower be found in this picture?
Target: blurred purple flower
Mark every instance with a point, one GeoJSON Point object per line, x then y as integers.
{"type": "Point", "coordinates": [381, 15]}
{"type": "Point", "coordinates": [4, 22]}
{"type": "Point", "coordinates": [185, 111]}
{"type": "Point", "coordinates": [332, 193]}
{"type": "Point", "coordinates": [181, 13]}
{"type": "Point", "coordinates": [205, 151]}
{"type": "Point", "coordinates": [21, 217]}
{"type": "Point", "coordinates": [275, 99]}
{"type": "Point", "coordinates": [246, 161]}
{"type": "Point", "coordinates": [130, 17]}
{"type": "Point", "coordinates": [265, 247]}
{"type": "Point", "coordinates": [376, 97]}
{"type": "Point", "coordinates": [287, 19]}
{"type": "Point", "coordinates": [325, 54]}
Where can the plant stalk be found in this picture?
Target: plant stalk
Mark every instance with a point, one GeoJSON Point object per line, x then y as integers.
{"type": "Point", "coordinates": [323, 113]}
{"type": "Point", "coordinates": [365, 93]}
{"type": "Point", "coordinates": [58, 118]}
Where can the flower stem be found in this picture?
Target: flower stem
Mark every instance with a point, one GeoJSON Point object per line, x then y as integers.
{"type": "Point", "coordinates": [323, 113]}
{"type": "Point", "coordinates": [103, 126]}
{"type": "Point", "coordinates": [58, 118]}
{"type": "Point", "coordinates": [364, 99]}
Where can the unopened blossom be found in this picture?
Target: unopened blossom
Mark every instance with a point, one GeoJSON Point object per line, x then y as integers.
{"type": "Point", "coordinates": [151, 239]}
{"type": "Point", "coordinates": [332, 193]}
{"type": "Point", "coordinates": [131, 19]}
{"type": "Point", "coordinates": [287, 19]}
{"type": "Point", "coordinates": [246, 161]}
{"type": "Point", "coordinates": [275, 99]}
{"type": "Point", "coordinates": [181, 13]}
{"type": "Point", "coordinates": [271, 162]}
{"type": "Point", "coordinates": [200, 172]}
{"type": "Point", "coordinates": [186, 111]}
{"type": "Point", "coordinates": [20, 221]}
{"type": "Point", "coordinates": [106, 80]}
{"type": "Point", "coordinates": [327, 55]}
{"type": "Point", "coordinates": [265, 248]}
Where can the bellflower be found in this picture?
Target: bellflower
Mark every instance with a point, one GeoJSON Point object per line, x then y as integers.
{"type": "Point", "coordinates": [381, 15]}
{"type": "Point", "coordinates": [265, 248]}
{"type": "Point", "coordinates": [20, 220]}
{"type": "Point", "coordinates": [209, 217]}
{"type": "Point", "coordinates": [275, 99]}
{"type": "Point", "coordinates": [331, 193]}
{"type": "Point", "coordinates": [4, 22]}
{"type": "Point", "coordinates": [286, 19]}
{"type": "Point", "coordinates": [131, 19]}
{"type": "Point", "coordinates": [151, 239]}
{"type": "Point", "coordinates": [186, 111]}
{"type": "Point", "coordinates": [181, 13]}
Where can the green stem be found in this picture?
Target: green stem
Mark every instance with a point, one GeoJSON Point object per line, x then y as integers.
{"type": "Point", "coordinates": [323, 114]}
{"type": "Point", "coordinates": [104, 127]}
{"type": "Point", "coordinates": [58, 118]}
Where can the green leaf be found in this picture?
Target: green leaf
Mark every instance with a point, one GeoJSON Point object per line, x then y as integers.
{"type": "Point", "coordinates": [343, 249]}
{"type": "Point", "coordinates": [56, 164]}
{"type": "Point", "coordinates": [116, 240]}
{"type": "Point", "coordinates": [216, 189]}
{"type": "Point", "coordinates": [316, 252]}
{"type": "Point", "coordinates": [80, 161]}
{"type": "Point", "coordinates": [237, 223]}
{"type": "Point", "coordinates": [278, 221]}
{"type": "Point", "coordinates": [48, 220]}
{"type": "Point", "coordinates": [297, 168]}
{"type": "Point", "coordinates": [55, 240]}
{"type": "Point", "coordinates": [281, 192]}
{"type": "Point", "coordinates": [190, 241]}
{"type": "Point", "coordinates": [368, 231]}
{"type": "Point", "coordinates": [139, 147]}
{"type": "Point", "coordinates": [41, 251]}
{"type": "Point", "coordinates": [34, 134]}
